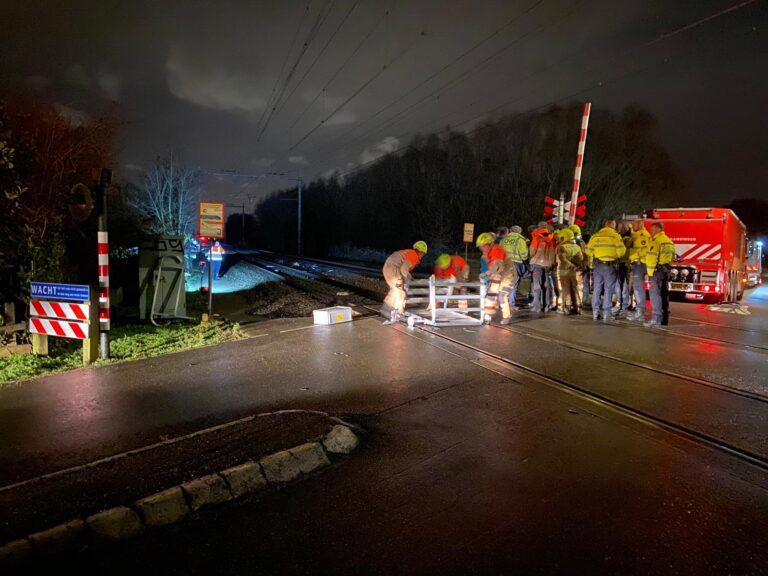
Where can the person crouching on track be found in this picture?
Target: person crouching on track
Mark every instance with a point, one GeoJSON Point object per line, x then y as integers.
{"type": "Point", "coordinates": [569, 260]}
{"type": "Point", "coordinates": [453, 269]}
{"type": "Point", "coordinates": [397, 273]}
{"type": "Point", "coordinates": [501, 278]}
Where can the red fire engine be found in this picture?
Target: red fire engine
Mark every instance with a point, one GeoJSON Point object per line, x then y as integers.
{"type": "Point", "coordinates": [710, 249]}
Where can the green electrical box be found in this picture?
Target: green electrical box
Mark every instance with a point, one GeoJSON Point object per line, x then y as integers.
{"type": "Point", "coordinates": [162, 293]}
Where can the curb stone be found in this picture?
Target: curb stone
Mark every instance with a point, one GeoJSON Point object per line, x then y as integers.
{"type": "Point", "coordinates": [67, 537]}
{"type": "Point", "coordinates": [340, 440]}
{"type": "Point", "coordinates": [166, 507]}
{"type": "Point", "coordinates": [15, 553]}
{"type": "Point", "coordinates": [244, 479]}
{"type": "Point", "coordinates": [280, 467]}
{"type": "Point", "coordinates": [310, 457]}
{"type": "Point", "coordinates": [170, 506]}
{"type": "Point", "coordinates": [211, 489]}
{"type": "Point", "coordinates": [119, 523]}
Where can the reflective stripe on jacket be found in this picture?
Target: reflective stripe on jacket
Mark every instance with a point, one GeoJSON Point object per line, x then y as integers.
{"type": "Point", "coordinates": [606, 245]}
{"type": "Point", "coordinates": [639, 247]}
{"type": "Point", "coordinates": [661, 251]}
{"type": "Point", "coordinates": [498, 265]}
{"type": "Point", "coordinates": [516, 247]}
{"type": "Point", "coordinates": [543, 247]}
{"type": "Point", "coordinates": [217, 253]}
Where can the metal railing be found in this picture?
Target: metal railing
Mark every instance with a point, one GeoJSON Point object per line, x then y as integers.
{"type": "Point", "coordinates": [448, 302]}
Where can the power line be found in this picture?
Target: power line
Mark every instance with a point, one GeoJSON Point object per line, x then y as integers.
{"type": "Point", "coordinates": [344, 64]}
{"type": "Point", "coordinates": [322, 50]}
{"type": "Point", "coordinates": [572, 56]}
{"type": "Point", "coordinates": [285, 63]}
{"type": "Point", "coordinates": [362, 87]}
{"type": "Point", "coordinates": [321, 17]}
{"type": "Point", "coordinates": [468, 73]}
{"type": "Point", "coordinates": [581, 91]}
{"type": "Point", "coordinates": [464, 54]}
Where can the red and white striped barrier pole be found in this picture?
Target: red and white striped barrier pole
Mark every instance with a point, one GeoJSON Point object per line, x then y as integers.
{"type": "Point", "coordinates": [103, 241]}
{"type": "Point", "coordinates": [103, 245]}
{"type": "Point", "coordinates": [579, 163]}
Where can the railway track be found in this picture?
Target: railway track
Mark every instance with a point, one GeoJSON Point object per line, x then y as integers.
{"type": "Point", "coordinates": [701, 435]}
{"type": "Point", "coordinates": [709, 436]}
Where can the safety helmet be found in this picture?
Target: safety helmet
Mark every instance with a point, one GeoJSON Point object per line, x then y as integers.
{"type": "Point", "coordinates": [443, 261]}
{"type": "Point", "coordinates": [421, 246]}
{"type": "Point", "coordinates": [576, 229]}
{"type": "Point", "coordinates": [566, 235]}
{"type": "Point", "coordinates": [484, 239]}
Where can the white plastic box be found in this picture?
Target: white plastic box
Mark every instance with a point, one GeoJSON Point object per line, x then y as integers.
{"type": "Point", "coordinates": [333, 315]}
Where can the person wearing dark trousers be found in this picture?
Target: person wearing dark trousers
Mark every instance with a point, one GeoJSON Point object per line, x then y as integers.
{"type": "Point", "coordinates": [605, 248]}
{"type": "Point", "coordinates": [661, 253]}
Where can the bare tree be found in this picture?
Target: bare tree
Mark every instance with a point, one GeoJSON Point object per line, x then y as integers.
{"type": "Point", "coordinates": [168, 197]}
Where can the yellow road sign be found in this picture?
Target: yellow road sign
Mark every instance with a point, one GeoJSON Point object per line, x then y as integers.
{"type": "Point", "coordinates": [211, 221]}
{"type": "Point", "coordinates": [469, 232]}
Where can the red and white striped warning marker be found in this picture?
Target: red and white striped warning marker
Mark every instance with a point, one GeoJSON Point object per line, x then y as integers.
{"type": "Point", "coordinates": [103, 245]}
{"type": "Point", "coordinates": [65, 310]}
{"type": "Point", "coordinates": [579, 163]}
{"type": "Point", "coordinates": [62, 328]}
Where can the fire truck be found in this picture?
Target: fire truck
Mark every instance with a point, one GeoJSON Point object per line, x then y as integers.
{"type": "Point", "coordinates": [710, 252]}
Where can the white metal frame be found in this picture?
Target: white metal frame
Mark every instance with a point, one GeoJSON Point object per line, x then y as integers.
{"type": "Point", "coordinates": [434, 292]}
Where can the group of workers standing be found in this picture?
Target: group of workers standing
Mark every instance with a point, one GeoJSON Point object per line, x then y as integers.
{"type": "Point", "coordinates": [564, 269]}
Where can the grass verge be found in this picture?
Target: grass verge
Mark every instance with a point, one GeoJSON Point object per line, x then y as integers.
{"type": "Point", "coordinates": [125, 343]}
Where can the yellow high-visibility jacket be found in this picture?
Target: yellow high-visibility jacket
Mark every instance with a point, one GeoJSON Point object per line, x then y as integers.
{"type": "Point", "coordinates": [605, 245]}
{"type": "Point", "coordinates": [661, 251]}
{"type": "Point", "coordinates": [640, 242]}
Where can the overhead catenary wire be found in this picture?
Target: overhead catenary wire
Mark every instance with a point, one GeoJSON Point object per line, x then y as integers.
{"type": "Point", "coordinates": [321, 17]}
{"type": "Point", "coordinates": [454, 61]}
{"type": "Point", "coordinates": [344, 64]}
{"type": "Point", "coordinates": [467, 73]}
{"type": "Point", "coordinates": [579, 92]}
{"type": "Point", "coordinates": [362, 87]}
{"type": "Point", "coordinates": [322, 50]}
{"type": "Point", "coordinates": [285, 63]}
{"type": "Point", "coordinates": [571, 56]}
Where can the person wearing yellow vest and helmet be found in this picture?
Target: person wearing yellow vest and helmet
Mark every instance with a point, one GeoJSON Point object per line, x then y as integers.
{"type": "Point", "coordinates": [397, 273]}
{"type": "Point", "coordinates": [623, 295]}
{"type": "Point", "coordinates": [604, 249]}
{"type": "Point", "coordinates": [516, 247]}
{"type": "Point", "coordinates": [638, 250]}
{"type": "Point", "coordinates": [569, 260]}
{"type": "Point", "coordinates": [661, 252]}
{"type": "Point", "coordinates": [500, 275]}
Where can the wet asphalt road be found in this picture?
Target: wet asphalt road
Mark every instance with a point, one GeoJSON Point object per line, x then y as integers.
{"type": "Point", "coordinates": [471, 467]}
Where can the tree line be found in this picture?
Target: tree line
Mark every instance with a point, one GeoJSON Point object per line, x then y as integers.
{"type": "Point", "coordinates": [497, 174]}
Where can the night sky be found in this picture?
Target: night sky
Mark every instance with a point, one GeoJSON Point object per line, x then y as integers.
{"type": "Point", "coordinates": [201, 78]}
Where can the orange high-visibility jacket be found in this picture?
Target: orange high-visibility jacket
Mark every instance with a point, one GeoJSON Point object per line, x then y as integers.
{"type": "Point", "coordinates": [498, 265]}
{"type": "Point", "coordinates": [217, 253]}
{"type": "Point", "coordinates": [458, 268]}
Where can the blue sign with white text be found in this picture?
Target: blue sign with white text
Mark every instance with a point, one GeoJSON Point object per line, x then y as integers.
{"type": "Point", "coordinates": [78, 292]}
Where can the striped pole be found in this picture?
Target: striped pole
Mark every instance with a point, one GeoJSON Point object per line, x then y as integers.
{"type": "Point", "coordinates": [579, 163]}
{"type": "Point", "coordinates": [103, 246]}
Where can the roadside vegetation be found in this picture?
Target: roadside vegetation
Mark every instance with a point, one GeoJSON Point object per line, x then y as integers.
{"type": "Point", "coordinates": [130, 342]}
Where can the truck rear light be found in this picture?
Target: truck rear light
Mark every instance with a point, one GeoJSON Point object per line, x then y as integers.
{"type": "Point", "coordinates": [707, 288]}
{"type": "Point", "coordinates": [717, 289]}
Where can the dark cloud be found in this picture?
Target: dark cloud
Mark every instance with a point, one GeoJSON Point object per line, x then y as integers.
{"type": "Point", "coordinates": [198, 77]}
